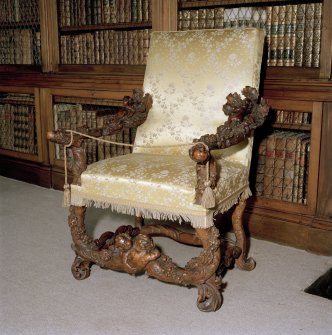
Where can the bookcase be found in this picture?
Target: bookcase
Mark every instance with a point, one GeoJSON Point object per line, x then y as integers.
{"type": "Point", "coordinates": [20, 38]}
{"type": "Point", "coordinates": [20, 126]}
{"type": "Point", "coordinates": [85, 55]}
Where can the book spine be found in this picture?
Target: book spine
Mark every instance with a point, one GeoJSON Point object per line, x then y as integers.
{"type": "Point", "coordinates": [287, 186]}
{"type": "Point", "coordinates": [308, 35]}
{"type": "Point", "coordinates": [299, 138]}
{"type": "Point", "coordinates": [259, 183]}
{"type": "Point", "coordinates": [269, 166]}
{"type": "Point", "coordinates": [279, 164]}
{"type": "Point", "coordinates": [185, 21]}
{"type": "Point", "coordinates": [281, 35]}
{"type": "Point", "coordinates": [287, 53]}
{"type": "Point", "coordinates": [268, 26]}
{"type": "Point", "coordinates": [219, 17]}
{"type": "Point", "coordinates": [201, 19]}
{"type": "Point", "coordinates": [306, 174]}
{"type": "Point", "coordinates": [316, 34]}
{"type": "Point", "coordinates": [299, 34]}
{"type": "Point", "coordinates": [274, 36]}
{"type": "Point", "coordinates": [193, 19]}
{"type": "Point", "coordinates": [210, 19]}
{"type": "Point", "coordinates": [302, 167]}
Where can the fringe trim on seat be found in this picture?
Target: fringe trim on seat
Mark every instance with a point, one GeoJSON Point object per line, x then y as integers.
{"type": "Point", "coordinates": [203, 220]}
{"type": "Point", "coordinates": [197, 220]}
{"type": "Point", "coordinates": [232, 200]}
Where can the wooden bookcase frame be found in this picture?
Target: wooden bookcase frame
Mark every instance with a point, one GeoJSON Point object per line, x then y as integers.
{"type": "Point", "coordinates": [316, 109]}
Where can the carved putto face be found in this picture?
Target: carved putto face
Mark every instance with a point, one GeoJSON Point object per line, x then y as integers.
{"type": "Point", "coordinates": [144, 243]}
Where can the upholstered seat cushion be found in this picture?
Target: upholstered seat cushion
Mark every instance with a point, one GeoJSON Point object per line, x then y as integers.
{"type": "Point", "coordinates": [189, 75]}
{"type": "Point", "coordinates": [155, 186]}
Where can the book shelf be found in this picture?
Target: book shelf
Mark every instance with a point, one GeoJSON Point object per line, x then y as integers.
{"type": "Point", "coordinates": [74, 113]}
{"type": "Point", "coordinates": [20, 38]}
{"type": "Point", "coordinates": [294, 30]}
{"type": "Point", "coordinates": [68, 80]}
{"type": "Point", "coordinates": [283, 169]}
{"type": "Point", "coordinates": [103, 32]}
{"type": "Point", "coordinates": [20, 123]}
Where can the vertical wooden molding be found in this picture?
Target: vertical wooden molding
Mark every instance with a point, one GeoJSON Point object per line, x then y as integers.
{"type": "Point", "coordinates": [315, 147]}
{"type": "Point", "coordinates": [49, 35]}
{"type": "Point", "coordinates": [164, 15]}
{"type": "Point", "coordinates": [46, 112]}
{"type": "Point", "coordinates": [326, 42]}
{"type": "Point", "coordinates": [39, 127]}
{"type": "Point", "coordinates": [324, 197]}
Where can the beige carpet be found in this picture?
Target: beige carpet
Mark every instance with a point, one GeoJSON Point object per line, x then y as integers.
{"type": "Point", "coordinates": [40, 296]}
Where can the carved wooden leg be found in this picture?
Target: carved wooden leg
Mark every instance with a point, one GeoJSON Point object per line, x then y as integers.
{"type": "Point", "coordinates": [199, 271]}
{"type": "Point", "coordinates": [81, 267]}
{"type": "Point", "coordinates": [242, 262]}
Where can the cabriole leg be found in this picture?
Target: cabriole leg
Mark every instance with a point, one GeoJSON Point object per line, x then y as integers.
{"type": "Point", "coordinates": [81, 267]}
{"type": "Point", "coordinates": [242, 261]}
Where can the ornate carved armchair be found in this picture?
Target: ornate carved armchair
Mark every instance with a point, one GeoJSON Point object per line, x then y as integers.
{"type": "Point", "coordinates": [190, 161]}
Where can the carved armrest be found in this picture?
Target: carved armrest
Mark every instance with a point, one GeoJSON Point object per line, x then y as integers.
{"type": "Point", "coordinates": [244, 115]}
{"type": "Point", "coordinates": [132, 114]}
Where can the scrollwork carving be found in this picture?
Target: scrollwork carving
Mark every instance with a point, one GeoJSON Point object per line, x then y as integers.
{"type": "Point", "coordinates": [198, 270]}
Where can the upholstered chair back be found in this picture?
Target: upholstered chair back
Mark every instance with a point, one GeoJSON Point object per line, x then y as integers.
{"type": "Point", "coordinates": [189, 74]}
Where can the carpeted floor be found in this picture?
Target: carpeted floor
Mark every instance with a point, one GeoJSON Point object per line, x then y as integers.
{"type": "Point", "coordinates": [40, 296]}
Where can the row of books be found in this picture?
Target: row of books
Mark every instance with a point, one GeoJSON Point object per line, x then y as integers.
{"type": "Point", "coordinates": [105, 47]}
{"type": "Point", "coordinates": [292, 117]}
{"type": "Point", "coordinates": [93, 12]}
{"type": "Point", "coordinates": [20, 46]}
{"type": "Point", "coordinates": [17, 128]}
{"type": "Point", "coordinates": [282, 166]}
{"type": "Point", "coordinates": [293, 31]}
{"type": "Point", "coordinates": [73, 116]}
{"type": "Point", "coordinates": [22, 11]}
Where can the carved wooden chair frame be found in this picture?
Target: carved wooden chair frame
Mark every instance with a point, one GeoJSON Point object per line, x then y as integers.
{"type": "Point", "coordinates": [131, 249]}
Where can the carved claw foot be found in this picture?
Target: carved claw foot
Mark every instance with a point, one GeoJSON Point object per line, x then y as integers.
{"type": "Point", "coordinates": [80, 268]}
{"type": "Point", "coordinates": [209, 296]}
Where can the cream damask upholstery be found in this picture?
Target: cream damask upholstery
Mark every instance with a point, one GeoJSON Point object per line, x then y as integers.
{"type": "Point", "coordinates": [189, 74]}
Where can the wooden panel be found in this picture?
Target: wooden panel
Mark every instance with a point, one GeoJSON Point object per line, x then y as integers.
{"type": "Point", "coordinates": [293, 105]}
{"type": "Point", "coordinates": [315, 145]}
{"type": "Point", "coordinates": [30, 172]}
{"type": "Point", "coordinates": [164, 15]}
{"type": "Point", "coordinates": [290, 230]}
{"type": "Point", "coordinates": [103, 82]}
{"type": "Point", "coordinates": [49, 35]}
{"type": "Point", "coordinates": [326, 41]}
{"type": "Point", "coordinates": [112, 68]}
{"type": "Point", "coordinates": [306, 90]}
{"type": "Point", "coordinates": [279, 72]}
{"type": "Point", "coordinates": [324, 197]}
